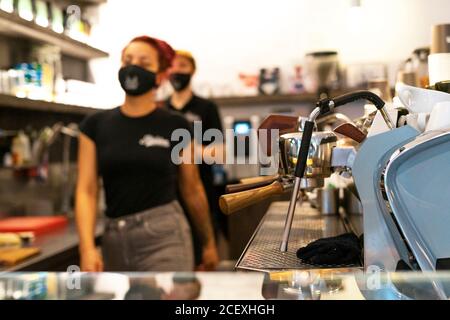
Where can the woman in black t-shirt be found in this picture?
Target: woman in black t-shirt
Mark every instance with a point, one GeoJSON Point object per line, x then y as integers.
{"type": "Point", "coordinates": [131, 149]}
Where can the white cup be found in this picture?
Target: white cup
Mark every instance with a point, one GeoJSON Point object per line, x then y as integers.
{"type": "Point", "coordinates": [417, 120]}
{"type": "Point", "coordinates": [439, 67]}
{"type": "Point", "coordinates": [418, 100]}
{"type": "Point", "coordinates": [439, 117]}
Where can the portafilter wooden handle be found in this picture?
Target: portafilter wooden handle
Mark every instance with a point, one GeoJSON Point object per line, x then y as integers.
{"type": "Point", "coordinates": [271, 178]}
{"type": "Point", "coordinates": [233, 202]}
{"type": "Point", "coordinates": [250, 183]}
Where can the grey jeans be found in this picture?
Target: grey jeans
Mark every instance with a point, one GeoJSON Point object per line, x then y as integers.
{"type": "Point", "coordinates": [158, 239]}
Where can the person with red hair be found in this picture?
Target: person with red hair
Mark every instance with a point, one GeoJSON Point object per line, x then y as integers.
{"type": "Point", "coordinates": [130, 148]}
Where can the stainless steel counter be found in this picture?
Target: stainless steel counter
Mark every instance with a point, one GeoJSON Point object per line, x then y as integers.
{"type": "Point", "coordinates": [59, 249]}
{"type": "Point", "coordinates": [263, 251]}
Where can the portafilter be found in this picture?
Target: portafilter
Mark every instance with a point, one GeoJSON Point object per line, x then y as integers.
{"type": "Point", "coordinates": [319, 167]}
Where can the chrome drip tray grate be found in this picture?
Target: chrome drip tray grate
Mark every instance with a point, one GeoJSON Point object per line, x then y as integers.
{"type": "Point", "coordinates": [263, 251]}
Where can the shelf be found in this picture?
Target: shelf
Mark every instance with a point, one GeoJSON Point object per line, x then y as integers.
{"type": "Point", "coordinates": [81, 3]}
{"type": "Point", "coordinates": [7, 101]}
{"type": "Point", "coordinates": [87, 2]}
{"type": "Point", "coordinates": [265, 100]}
{"type": "Point", "coordinates": [12, 25]}
{"type": "Point", "coordinates": [249, 101]}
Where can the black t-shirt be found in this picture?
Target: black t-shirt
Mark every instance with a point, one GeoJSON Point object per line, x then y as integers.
{"type": "Point", "coordinates": [206, 111]}
{"type": "Point", "coordinates": [134, 158]}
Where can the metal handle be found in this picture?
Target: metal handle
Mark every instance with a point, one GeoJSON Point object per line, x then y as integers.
{"type": "Point", "coordinates": [327, 104]}
{"type": "Point", "coordinates": [300, 168]}
{"type": "Point", "coordinates": [358, 95]}
{"type": "Point", "coordinates": [304, 149]}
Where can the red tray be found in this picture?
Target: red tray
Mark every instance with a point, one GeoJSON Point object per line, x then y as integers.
{"type": "Point", "coordinates": [38, 225]}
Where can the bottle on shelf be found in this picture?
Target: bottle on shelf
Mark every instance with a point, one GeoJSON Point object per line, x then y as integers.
{"type": "Point", "coordinates": [21, 150]}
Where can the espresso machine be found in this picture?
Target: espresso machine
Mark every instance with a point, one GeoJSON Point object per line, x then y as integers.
{"type": "Point", "coordinates": [401, 178]}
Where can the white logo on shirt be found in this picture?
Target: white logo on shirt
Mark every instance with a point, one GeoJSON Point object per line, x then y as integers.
{"type": "Point", "coordinates": [151, 141]}
{"type": "Point", "coordinates": [192, 117]}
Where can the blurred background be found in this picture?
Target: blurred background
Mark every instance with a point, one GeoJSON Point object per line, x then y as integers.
{"type": "Point", "coordinates": [59, 62]}
{"type": "Point", "coordinates": [233, 37]}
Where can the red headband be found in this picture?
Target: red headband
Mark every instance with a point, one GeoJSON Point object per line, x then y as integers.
{"type": "Point", "coordinates": [165, 51]}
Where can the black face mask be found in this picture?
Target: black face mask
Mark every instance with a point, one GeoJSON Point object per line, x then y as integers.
{"type": "Point", "coordinates": [180, 81]}
{"type": "Point", "coordinates": [136, 80]}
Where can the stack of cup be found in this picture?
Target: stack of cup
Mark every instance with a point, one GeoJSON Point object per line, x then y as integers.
{"type": "Point", "coordinates": [439, 59]}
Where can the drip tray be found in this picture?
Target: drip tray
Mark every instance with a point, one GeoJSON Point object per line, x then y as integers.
{"type": "Point", "coordinates": [263, 251]}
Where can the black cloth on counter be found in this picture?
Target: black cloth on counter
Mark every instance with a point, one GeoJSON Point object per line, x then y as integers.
{"type": "Point", "coordinates": [134, 158]}
{"type": "Point", "coordinates": [344, 249]}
